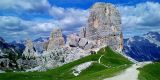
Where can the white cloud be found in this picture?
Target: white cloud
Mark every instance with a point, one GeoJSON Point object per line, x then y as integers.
{"type": "Point", "coordinates": [66, 18]}
{"type": "Point", "coordinates": [45, 26]}
{"type": "Point", "coordinates": [12, 23]}
{"type": "Point", "coordinates": [24, 5]}
{"type": "Point", "coordinates": [141, 18]}
{"type": "Point", "coordinates": [12, 27]}
{"type": "Point", "coordinates": [69, 18]}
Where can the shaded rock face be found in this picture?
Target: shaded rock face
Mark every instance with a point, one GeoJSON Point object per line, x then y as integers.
{"type": "Point", "coordinates": [56, 39]}
{"type": "Point", "coordinates": [8, 55]}
{"type": "Point", "coordinates": [4, 63]}
{"type": "Point", "coordinates": [103, 26]}
{"type": "Point", "coordinates": [29, 51]}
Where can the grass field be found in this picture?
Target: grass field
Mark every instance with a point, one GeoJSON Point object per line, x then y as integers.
{"type": "Point", "coordinates": [150, 72]}
{"type": "Point", "coordinates": [97, 71]}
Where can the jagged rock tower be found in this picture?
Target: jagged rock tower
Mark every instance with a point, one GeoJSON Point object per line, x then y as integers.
{"type": "Point", "coordinates": [29, 51]}
{"type": "Point", "coordinates": [104, 26]}
{"type": "Point", "coordinates": [56, 39]}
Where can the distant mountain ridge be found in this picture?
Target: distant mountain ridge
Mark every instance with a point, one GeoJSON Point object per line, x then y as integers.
{"type": "Point", "coordinates": [143, 48]}
{"type": "Point", "coordinates": [41, 39]}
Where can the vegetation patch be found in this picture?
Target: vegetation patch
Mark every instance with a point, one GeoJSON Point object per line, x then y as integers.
{"type": "Point", "coordinates": [150, 72]}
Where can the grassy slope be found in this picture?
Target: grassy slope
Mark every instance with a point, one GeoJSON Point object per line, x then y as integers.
{"type": "Point", "coordinates": [150, 72]}
{"type": "Point", "coordinates": [96, 71]}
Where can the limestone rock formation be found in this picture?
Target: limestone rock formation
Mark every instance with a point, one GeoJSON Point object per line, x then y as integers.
{"type": "Point", "coordinates": [29, 51]}
{"type": "Point", "coordinates": [103, 26]}
{"type": "Point", "coordinates": [83, 42]}
{"type": "Point", "coordinates": [56, 39]}
{"type": "Point", "coordinates": [72, 40]}
{"type": "Point", "coordinates": [27, 63]}
{"type": "Point", "coordinates": [89, 45]}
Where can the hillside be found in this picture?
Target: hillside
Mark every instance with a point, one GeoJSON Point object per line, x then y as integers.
{"type": "Point", "coordinates": [150, 72]}
{"type": "Point", "coordinates": [105, 63]}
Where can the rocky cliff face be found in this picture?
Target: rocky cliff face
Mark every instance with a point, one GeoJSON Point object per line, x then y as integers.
{"type": "Point", "coordinates": [103, 26]}
{"type": "Point", "coordinates": [56, 39]}
{"type": "Point", "coordinates": [29, 51]}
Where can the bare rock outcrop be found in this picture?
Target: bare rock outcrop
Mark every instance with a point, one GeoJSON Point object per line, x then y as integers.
{"type": "Point", "coordinates": [56, 39]}
{"type": "Point", "coordinates": [29, 51]}
{"type": "Point", "coordinates": [83, 42]}
{"type": "Point", "coordinates": [104, 26]}
{"type": "Point", "coordinates": [72, 40]}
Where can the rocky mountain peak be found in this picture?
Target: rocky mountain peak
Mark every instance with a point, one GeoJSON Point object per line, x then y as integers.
{"type": "Point", "coordinates": [104, 26]}
{"type": "Point", "coordinates": [29, 51]}
{"type": "Point", "coordinates": [104, 15]}
{"type": "Point", "coordinates": [56, 33]}
{"type": "Point", "coordinates": [56, 39]}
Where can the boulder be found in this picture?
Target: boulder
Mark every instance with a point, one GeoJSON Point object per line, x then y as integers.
{"type": "Point", "coordinates": [83, 42]}
{"type": "Point", "coordinates": [72, 40]}
{"type": "Point", "coordinates": [89, 45]}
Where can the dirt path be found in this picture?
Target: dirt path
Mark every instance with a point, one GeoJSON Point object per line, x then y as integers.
{"type": "Point", "coordinates": [129, 74]}
{"type": "Point", "coordinates": [99, 60]}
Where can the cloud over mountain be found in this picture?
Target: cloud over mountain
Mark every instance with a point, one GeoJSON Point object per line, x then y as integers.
{"type": "Point", "coordinates": [22, 5]}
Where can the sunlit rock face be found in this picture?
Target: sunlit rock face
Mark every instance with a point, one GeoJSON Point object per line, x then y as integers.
{"type": "Point", "coordinates": [29, 51]}
{"type": "Point", "coordinates": [104, 26]}
{"type": "Point", "coordinates": [56, 39]}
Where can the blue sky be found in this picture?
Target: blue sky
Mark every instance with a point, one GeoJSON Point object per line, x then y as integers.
{"type": "Point", "coordinates": [23, 19]}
